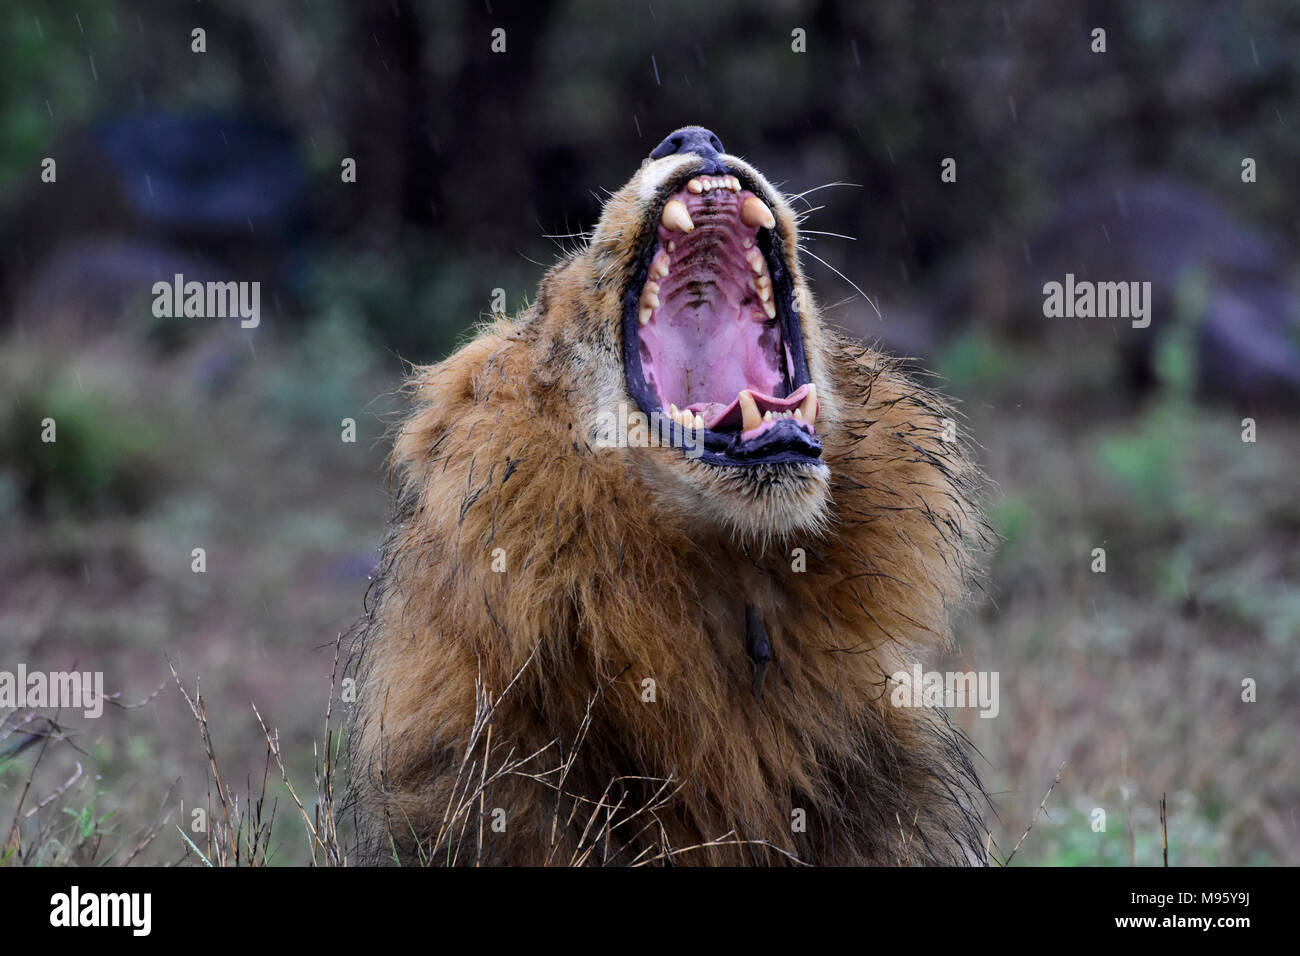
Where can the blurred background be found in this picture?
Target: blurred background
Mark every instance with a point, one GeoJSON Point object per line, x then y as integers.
{"type": "Point", "coordinates": [475, 170]}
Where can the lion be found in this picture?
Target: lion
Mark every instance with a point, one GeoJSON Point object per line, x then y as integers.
{"type": "Point", "coordinates": [659, 543]}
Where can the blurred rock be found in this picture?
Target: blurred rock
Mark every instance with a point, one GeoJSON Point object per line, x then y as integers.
{"type": "Point", "coordinates": [1207, 267]}
{"type": "Point", "coordinates": [143, 195]}
{"type": "Point", "coordinates": [207, 176]}
{"type": "Point", "coordinates": [92, 283]}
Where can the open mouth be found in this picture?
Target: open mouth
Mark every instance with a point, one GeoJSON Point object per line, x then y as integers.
{"type": "Point", "coordinates": [712, 340]}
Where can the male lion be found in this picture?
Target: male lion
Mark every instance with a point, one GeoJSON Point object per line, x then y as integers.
{"type": "Point", "coordinates": [659, 543]}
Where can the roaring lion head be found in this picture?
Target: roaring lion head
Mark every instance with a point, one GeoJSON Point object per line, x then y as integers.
{"type": "Point", "coordinates": [712, 350]}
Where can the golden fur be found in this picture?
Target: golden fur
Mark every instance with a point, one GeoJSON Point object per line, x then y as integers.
{"type": "Point", "coordinates": [628, 564]}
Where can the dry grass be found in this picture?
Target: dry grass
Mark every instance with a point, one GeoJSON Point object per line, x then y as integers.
{"type": "Point", "coordinates": [605, 825]}
{"type": "Point", "coordinates": [239, 832]}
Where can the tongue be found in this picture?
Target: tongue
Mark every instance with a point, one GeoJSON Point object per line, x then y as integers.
{"type": "Point", "coordinates": [730, 415]}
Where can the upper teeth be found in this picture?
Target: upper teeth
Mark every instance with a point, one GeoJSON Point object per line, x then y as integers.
{"type": "Point", "coordinates": [676, 216]}
{"type": "Point", "coordinates": [762, 282]}
{"type": "Point", "coordinates": [650, 295]}
{"type": "Point", "coordinates": [704, 184]}
{"type": "Point", "coordinates": [754, 213]}
{"type": "Point", "coordinates": [659, 268]}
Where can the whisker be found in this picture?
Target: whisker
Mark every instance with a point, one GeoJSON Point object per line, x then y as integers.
{"type": "Point", "coordinates": [824, 186]}
{"type": "Point", "coordinates": [835, 305]}
{"type": "Point", "coordinates": [818, 232]}
{"type": "Point", "coordinates": [807, 212]}
{"type": "Point", "coordinates": [846, 279]}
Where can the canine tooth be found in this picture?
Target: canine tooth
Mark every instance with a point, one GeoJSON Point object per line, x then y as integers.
{"type": "Point", "coordinates": [749, 417]}
{"type": "Point", "coordinates": [809, 404]}
{"type": "Point", "coordinates": [754, 213]}
{"type": "Point", "coordinates": [676, 216]}
{"type": "Point", "coordinates": [695, 186]}
{"type": "Point", "coordinates": [755, 260]}
{"type": "Point", "coordinates": [769, 307]}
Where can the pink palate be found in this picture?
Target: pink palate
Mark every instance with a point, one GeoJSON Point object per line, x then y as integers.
{"type": "Point", "coordinates": [709, 338]}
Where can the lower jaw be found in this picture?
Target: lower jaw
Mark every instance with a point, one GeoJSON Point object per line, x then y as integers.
{"type": "Point", "coordinates": [784, 444]}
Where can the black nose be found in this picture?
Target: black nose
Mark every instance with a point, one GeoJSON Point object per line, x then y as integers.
{"type": "Point", "coordinates": [691, 139]}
